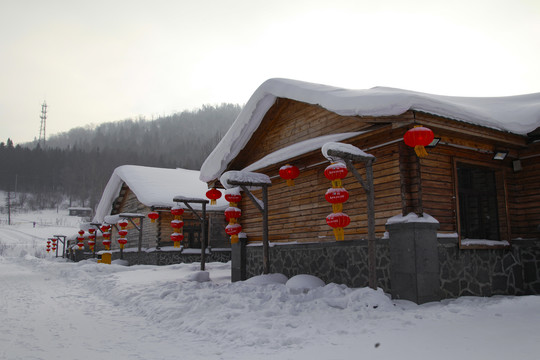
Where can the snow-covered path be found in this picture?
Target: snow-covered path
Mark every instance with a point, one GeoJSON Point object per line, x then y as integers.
{"type": "Point", "coordinates": [54, 309]}
{"type": "Point", "coordinates": [43, 317]}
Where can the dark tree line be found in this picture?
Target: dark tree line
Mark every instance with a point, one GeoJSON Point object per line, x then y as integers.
{"type": "Point", "coordinates": [77, 164]}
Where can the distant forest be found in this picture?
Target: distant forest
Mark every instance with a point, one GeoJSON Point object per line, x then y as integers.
{"type": "Point", "coordinates": [77, 164]}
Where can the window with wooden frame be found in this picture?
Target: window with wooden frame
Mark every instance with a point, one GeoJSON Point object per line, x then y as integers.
{"type": "Point", "coordinates": [481, 203]}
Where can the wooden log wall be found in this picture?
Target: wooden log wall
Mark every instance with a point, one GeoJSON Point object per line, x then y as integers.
{"type": "Point", "coordinates": [525, 198]}
{"type": "Point", "coordinates": [403, 183]}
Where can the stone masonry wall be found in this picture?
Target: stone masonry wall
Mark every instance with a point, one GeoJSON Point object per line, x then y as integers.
{"type": "Point", "coordinates": [342, 262]}
{"type": "Point", "coordinates": [463, 272]}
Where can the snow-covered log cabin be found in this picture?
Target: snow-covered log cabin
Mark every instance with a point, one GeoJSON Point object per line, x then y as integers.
{"type": "Point", "coordinates": [141, 190]}
{"type": "Point", "coordinates": [479, 183]}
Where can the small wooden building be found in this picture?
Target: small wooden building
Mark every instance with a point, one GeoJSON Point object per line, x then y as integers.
{"type": "Point", "coordinates": [480, 182]}
{"type": "Point", "coordinates": [141, 190]}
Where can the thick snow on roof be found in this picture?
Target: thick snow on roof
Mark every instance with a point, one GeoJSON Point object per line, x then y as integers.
{"type": "Point", "coordinates": [153, 187]}
{"type": "Point", "coordinates": [516, 114]}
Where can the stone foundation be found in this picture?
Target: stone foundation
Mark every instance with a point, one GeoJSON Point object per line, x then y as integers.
{"type": "Point", "coordinates": [461, 272]}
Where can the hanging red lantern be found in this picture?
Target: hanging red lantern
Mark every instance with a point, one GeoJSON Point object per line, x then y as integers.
{"type": "Point", "coordinates": [177, 224]}
{"type": "Point", "coordinates": [289, 173]}
{"type": "Point", "coordinates": [92, 237]}
{"type": "Point", "coordinates": [233, 230]}
{"type": "Point", "coordinates": [122, 232]}
{"type": "Point", "coordinates": [123, 223]}
{"type": "Point", "coordinates": [91, 244]}
{"type": "Point", "coordinates": [81, 232]}
{"type": "Point", "coordinates": [106, 243]}
{"type": "Point", "coordinates": [338, 221]}
{"type": "Point", "coordinates": [153, 216]}
{"type": "Point", "coordinates": [233, 213]}
{"type": "Point", "coordinates": [177, 212]}
{"type": "Point", "coordinates": [177, 238]}
{"type": "Point", "coordinates": [122, 242]}
{"type": "Point", "coordinates": [418, 137]}
{"type": "Point", "coordinates": [53, 241]}
{"type": "Point", "coordinates": [213, 194]}
{"type": "Point", "coordinates": [104, 228]}
{"type": "Point", "coordinates": [233, 198]}
{"type": "Point", "coordinates": [336, 197]}
{"type": "Point", "coordinates": [91, 230]}
{"type": "Point", "coordinates": [335, 172]}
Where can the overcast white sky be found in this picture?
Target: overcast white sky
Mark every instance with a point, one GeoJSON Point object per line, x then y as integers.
{"type": "Point", "coordinates": [106, 60]}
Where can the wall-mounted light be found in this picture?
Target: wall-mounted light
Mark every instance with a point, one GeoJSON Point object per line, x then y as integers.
{"type": "Point", "coordinates": [433, 143]}
{"type": "Point", "coordinates": [500, 155]}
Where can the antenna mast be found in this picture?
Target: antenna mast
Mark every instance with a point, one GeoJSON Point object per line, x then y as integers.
{"type": "Point", "coordinates": [43, 124]}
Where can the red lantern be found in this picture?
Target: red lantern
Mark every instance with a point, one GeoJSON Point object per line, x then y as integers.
{"type": "Point", "coordinates": [48, 249]}
{"type": "Point", "coordinates": [289, 173]}
{"type": "Point", "coordinates": [91, 230]}
{"type": "Point", "coordinates": [177, 212]}
{"type": "Point", "coordinates": [177, 224]}
{"type": "Point", "coordinates": [123, 223]}
{"type": "Point", "coordinates": [153, 216]}
{"type": "Point", "coordinates": [81, 232]}
{"type": "Point", "coordinates": [233, 213]}
{"type": "Point", "coordinates": [91, 244]}
{"type": "Point", "coordinates": [92, 237]}
{"type": "Point", "coordinates": [213, 194]}
{"type": "Point", "coordinates": [122, 242]}
{"type": "Point", "coordinates": [336, 197]}
{"type": "Point", "coordinates": [80, 238]}
{"type": "Point", "coordinates": [418, 137]}
{"type": "Point", "coordinates": [53, 240]}
{"type": "Point", "coordinates": [177, 238]}
{"type": "Point", "coordinates": [105, 228]}
{"type": "Point", "coordinates": [107, 235]}
{"type": "Point", "coordinates": [338, 221]}
{"type": "Point", "coordinates": [233, 198]}
{"type": "Point", "coordinates": [233, 230]}
{"type": "Point", "coordinates": [122, 232]}
{"type": "Point", "coordinates": [335, 172]}
{"type": "Point", "coordinates": [107, 244]}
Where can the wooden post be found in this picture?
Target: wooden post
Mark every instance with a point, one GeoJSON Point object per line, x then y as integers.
{"type": "Point", "coordinates": [266, 246]}
{"type": "Point", "coordinates": [205, 237]}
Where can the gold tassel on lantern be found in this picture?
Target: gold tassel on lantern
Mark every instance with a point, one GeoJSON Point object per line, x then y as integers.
{"type": "Point", "coordinates": [420, 151]}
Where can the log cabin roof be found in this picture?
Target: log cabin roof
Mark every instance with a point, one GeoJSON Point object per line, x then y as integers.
{"type": "Point", "coordinates": [153, 187]}
{"type": "Point", "coordinates": [518, 115]}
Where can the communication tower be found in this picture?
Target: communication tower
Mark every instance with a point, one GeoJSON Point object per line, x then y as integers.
{"type": "Point", "coordinates": [43, 117]}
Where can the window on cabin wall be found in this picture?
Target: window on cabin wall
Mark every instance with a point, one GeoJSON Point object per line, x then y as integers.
{"type": "Point", "coordinates": [192, 233]}
{"type": "Point", "coordinates": [478, 202]}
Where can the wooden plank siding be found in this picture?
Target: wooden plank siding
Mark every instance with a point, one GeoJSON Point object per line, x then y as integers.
{"type": "Point", "coordinates": [525, 198]}
{"type": "Point", "coordinates": [403, 183]}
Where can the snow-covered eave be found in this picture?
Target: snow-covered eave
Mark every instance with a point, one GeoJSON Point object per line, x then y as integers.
{"type": "Point", "coordinates": [515, 114]}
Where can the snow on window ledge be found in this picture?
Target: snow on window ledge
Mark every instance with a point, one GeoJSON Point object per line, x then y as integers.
{"type": "Point", "coordinates": [483, 243]}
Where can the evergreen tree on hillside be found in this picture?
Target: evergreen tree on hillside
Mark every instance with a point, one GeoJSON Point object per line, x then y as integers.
{"type": "Point", "coordinates": [78, 163]}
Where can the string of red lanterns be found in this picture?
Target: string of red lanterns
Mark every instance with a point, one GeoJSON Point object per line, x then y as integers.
{"type": "Point", "coordinates": [80, 240]}
{"type": "Point", "coordinates": [177, 224]}
{"type": "Point", "coordinates": [232, 213]}
{"type": "Point", "coordinates": [91, 238]}
{"type": "Point", "coordinates": [105, 229]}
{"type": "Point", "coordinates": [48, 245]}
{"type": "Point", "coordinates": [122, 241]}
{"type": "Point", "coordinates": [337, 195]}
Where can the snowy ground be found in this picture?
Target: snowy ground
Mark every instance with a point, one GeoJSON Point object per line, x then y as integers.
{"type": "Point", "coordinates": [53, 309]}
